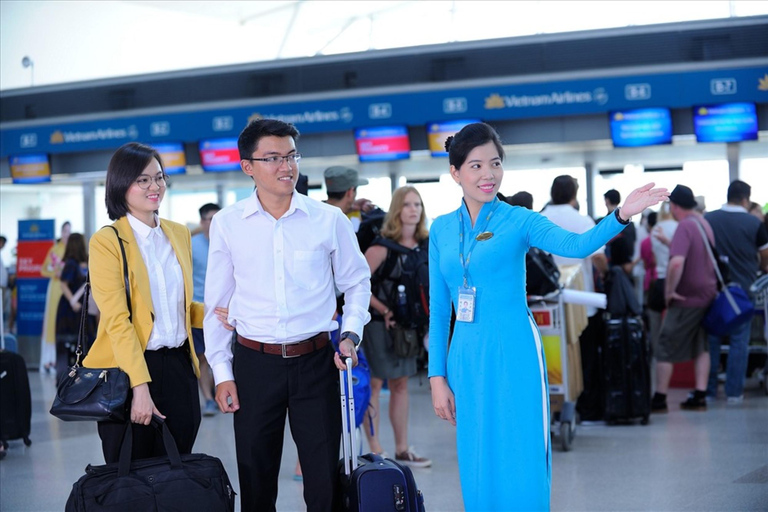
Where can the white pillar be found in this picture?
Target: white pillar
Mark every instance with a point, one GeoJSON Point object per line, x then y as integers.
{"type": "Point", "coordinates": [733, 150]}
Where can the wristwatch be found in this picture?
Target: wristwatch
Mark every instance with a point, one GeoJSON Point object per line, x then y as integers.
{"type": "Point", "coordinates": [618, 217]}
{"type": "Point", "coordinates": [354, 338]}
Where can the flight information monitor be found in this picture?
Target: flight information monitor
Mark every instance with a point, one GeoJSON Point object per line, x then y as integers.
{"type": "Point", "coordinates": [382, 143]}
{"type": "Point", "coordinates": [729, 122]}
{"type": "Point", "coordinates": [641, 127]}
{"type": "Point", "coordinates": [219, 155]}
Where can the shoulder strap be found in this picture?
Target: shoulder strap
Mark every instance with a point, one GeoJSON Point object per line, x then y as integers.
{"type": "Point", "coordinates": [709, 251]}
{"type": "Point", "coordinates": [125, 274]}
{"type": "Point", "coordinates": [87, 293]}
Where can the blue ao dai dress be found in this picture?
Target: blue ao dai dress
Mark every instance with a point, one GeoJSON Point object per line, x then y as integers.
{"type": "Point", "coordinates": [496, 364]}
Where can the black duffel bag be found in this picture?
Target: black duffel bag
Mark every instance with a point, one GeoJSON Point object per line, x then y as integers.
{"type": "Point", "coordinates": [171, 483]}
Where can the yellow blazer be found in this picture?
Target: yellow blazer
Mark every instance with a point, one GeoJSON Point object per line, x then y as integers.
{"type": "Point", "coordinates": [119, 342]}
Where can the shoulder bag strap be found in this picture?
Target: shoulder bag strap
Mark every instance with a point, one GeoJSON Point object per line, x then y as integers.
{"type": "Point", "coordinates": [709, 251]}
{"type": "Point", "coordinates": [125, 274]}
{"type": "Point", "coordinates": [724, 289]}
{"type": "Point", "coordinates": [87, 292]}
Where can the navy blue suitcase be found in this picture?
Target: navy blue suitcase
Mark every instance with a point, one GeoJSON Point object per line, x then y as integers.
{"type": "Point", "coordinates": [371, 483]}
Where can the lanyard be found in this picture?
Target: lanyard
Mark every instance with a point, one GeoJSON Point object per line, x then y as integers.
{"type": "Point", "coordinates": [481, 228]}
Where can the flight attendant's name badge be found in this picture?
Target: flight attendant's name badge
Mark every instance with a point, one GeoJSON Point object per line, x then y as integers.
{"type": "Point", "coordinates": [485, 235]}
{"type": "Point", "coordinates": [466, 309]}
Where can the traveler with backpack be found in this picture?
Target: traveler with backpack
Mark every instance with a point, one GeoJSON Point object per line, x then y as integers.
{"type": "Point", "coordinates": [399, 315]}
{"type": "Point", "coordinates": [492, 384]}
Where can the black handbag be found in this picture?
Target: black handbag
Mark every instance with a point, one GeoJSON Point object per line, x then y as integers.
{"type": "Point", "coordinates": [168, 483]}
{"type": "Point", "coordinates": [94, 394]}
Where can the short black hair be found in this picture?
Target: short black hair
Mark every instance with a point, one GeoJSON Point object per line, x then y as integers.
{"type": "Point", "coordinates": [563, 189]}
{"type": "Point", "coordinates": [3, 239]}
{"type": "Point", "coordinates": [613, 196]}
{"type": "Point", "coordinates": [337, 196]}
{"type": "Point", "coordinates": [738, 191]}
{"type": "Point", "coordinates": [652, 219]}
{"type": "Point", "coordinates": [522, 198]}
{"type": "Point", "coordinates": [249, 138]}
{"type": "Point", "coordinates": [127, 164]}
{"type": "Point", "coordinates": [208, 207]}
{"type": "Point", "coordinates": [471, 136]}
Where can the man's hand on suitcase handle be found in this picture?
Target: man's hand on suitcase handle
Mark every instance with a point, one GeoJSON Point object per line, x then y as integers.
{"type": "Point", "coordinates": [346, 349]}
{"type": "Point", "coordinates": [443, 400]}
{"type": "Point", "coordinates": [226, 396]}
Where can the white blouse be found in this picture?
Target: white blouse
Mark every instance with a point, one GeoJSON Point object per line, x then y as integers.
{"type": "Point", "coordinates": [166, 284]}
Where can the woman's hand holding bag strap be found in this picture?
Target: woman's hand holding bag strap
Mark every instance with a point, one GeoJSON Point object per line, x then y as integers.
{"type": "Point", "coordinates": [94, 394]}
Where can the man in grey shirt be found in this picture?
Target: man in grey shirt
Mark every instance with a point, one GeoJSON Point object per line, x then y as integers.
{"type": "Point", "coordinates": [741, 237]}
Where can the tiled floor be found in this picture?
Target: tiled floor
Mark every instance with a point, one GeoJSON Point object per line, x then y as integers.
{"type": "Point", "coordinates": [693, 461]}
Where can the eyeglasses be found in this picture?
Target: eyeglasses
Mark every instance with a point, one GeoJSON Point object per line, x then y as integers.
{"type": "Point", "coordinates": [277, 161]}
{"type": "Point", "coordinates": [145, 181]}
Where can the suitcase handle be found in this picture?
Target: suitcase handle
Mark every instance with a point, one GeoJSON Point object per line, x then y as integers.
{"type": "Point", "coordinates": [348, 442]}
{"type": "Point", "coordinates": [124, 463]}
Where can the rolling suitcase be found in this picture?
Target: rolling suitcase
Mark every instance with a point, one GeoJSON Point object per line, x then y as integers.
{"type": "Point", "coordinates": [626, 371]}
{"type": "Point", "coordinates": [371, 483]}
{"type": "Point", "coordinates": [15, 398]}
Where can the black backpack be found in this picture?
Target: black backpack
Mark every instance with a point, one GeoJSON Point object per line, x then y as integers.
{"type": "Point", "coordinates": [415, 278]}
{"type": "Point", "coordinates": [370, 227]}
{"type": "Point", "coordinates": [541, 273]}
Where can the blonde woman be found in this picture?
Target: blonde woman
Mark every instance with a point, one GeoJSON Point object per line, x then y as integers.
{"type": "Point", "coordinates": [52, 267]}
{"type": "Point", "coordinates": [405, 226]}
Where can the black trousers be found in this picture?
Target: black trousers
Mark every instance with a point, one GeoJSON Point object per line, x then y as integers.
{"type": "Point", "coordinates": [591, 401]}
{"type": "Point", "coordinates": [174, 392]}
{"type": "Point", "coordinates": [307, 388]}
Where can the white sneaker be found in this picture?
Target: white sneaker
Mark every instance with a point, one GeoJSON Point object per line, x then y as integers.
{"type": "Point", "coordinates": [410, 458]}
{"type": "Point", "coordinates": [735, 400]}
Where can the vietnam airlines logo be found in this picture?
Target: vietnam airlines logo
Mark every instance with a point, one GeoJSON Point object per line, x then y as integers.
{"type": "Point", "coordinates": [34, 228]}
{"type": "Point", "coordinates": [57, 137]}
{"type": "Point", "coordinates": [494, 101]}
{"type": "Point", "coordinates": [763, 83]}
{"type": "Point", "coordinates": [254, 117]}
{"type": "Point", "coordinates": [618, 116]}
{"type": "Point", "coordinates": [703, 111]}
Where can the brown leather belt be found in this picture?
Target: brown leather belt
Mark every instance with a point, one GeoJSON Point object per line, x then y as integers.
{"type": "Point", "coordinates": [286, 350]}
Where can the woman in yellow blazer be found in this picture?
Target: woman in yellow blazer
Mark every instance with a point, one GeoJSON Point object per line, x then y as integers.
{"type": "Point", "coordinates": [51, 269]}
{"type": "Point", "coordinates": [153, 346]}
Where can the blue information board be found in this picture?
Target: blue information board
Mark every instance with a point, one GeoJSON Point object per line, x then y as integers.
{"type": "Point", "coordinates": [335, 113]}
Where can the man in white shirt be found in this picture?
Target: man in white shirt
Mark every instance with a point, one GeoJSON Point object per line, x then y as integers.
{"type": "Point", "coordinates": [274, 258]}
{"type": "Point", "coordinates": [563, 211]}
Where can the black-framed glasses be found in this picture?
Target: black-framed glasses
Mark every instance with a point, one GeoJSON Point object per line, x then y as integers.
{"type": "Point", "coordinates": [277, 161]}
{"type": "Point", "coordinates": [145, 181]}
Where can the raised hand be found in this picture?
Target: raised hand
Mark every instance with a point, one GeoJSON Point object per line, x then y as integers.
{"type": "Point", "coordinates": [642, 198]}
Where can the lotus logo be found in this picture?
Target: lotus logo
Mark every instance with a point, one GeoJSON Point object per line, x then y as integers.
{"type": "Point", "coordinates": [600, 96]}
{"type": "Point", "coordinates": [763, 83]}
{"type": "Point", "coordinates": [494, 101]}
{"type": "Point", "coordinates": [254, 117]}
{"type": "Point", "coordinates": [703, 111]}
{"type": "Point", "coordinates": [57, 137]}
{"type": "Point", "coordinates": [618, 116]}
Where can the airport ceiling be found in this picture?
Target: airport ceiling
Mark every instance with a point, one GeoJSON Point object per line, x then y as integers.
{"type": "Point", "coordinates": [86, 39]}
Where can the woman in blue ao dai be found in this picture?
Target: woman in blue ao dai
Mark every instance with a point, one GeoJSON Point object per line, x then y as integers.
{"type": "Point", "coordinates": [492, 384]}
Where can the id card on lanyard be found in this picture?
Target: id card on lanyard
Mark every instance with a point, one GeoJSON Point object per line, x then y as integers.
{"type": "Point", "coordinates": [468, 294]}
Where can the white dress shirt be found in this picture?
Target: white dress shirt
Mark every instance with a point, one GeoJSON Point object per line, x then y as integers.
{"type": "Point", "coordinates": [277, 276]}
{"type": "Point", "coordinates": [166, 285]}
{"type": "Point", "coordinates": [568, 217]}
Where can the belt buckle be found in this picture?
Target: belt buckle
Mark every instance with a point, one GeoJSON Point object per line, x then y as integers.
{"type": "Point", "coordinates": [286, 356]}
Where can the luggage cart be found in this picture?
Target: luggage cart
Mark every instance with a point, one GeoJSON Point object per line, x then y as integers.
{"type": "Point", "coordinates": [549, 315]}
{"type": "Point", "coordinates": [759, 290]}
